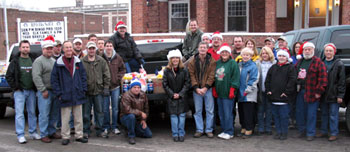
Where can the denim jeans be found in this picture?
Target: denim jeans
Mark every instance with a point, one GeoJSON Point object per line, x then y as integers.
{"type": "Point", "coordinates": [330, 111]}
{"type": "Point", "coordinates": [281, 117]}
{"type": "Point", "coordinates": [225, 108]}
{"type": "Point", "coordinates": [134, 127]}
{"type": "Point", "coordinates": [306, 115]}
{"type": "Point", "coordinates": [264, 114]}
{"type": "Point", "coordinates": [113, 100]}
{"type": "Point", "coordinates": [178, 124]}
{"type": "Point", "coordinates": [96, 102]}
{"type": "Point", "coordinates": [25, 97]}
{"type": "Point", "coordinates": [208, 101]}
{"type": "Point", "coordinates": [133, 66]}
{"type": "Point", "coordinates": [48, 114]}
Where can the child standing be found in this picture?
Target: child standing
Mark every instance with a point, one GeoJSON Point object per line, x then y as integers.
{"type": "Point", "coordinates": [280, 86]}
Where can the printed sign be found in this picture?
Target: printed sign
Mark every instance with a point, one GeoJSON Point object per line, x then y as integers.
{"type": "Point", "coordinates": [38, 31]}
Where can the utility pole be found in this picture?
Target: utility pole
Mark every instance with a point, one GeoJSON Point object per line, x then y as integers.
{"type": "Point", "coordinates": [6, 29]}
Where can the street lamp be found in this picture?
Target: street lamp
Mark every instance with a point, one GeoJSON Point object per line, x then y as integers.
{"type": "Point", "coordinates": [296, 3]}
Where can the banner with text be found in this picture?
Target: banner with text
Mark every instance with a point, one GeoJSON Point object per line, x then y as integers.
{"type": "Point", "coordinates": [38, 31]}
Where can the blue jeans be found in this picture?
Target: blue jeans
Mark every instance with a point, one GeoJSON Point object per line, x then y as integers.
{"type": "Point", "coordinates": [114, 100]}
{"type": "Point", "coordinates": [264, 114]}
{"type": "Point", "coordinates": [281, 117]}
{"type": "Point", "coordinates": [133, 66]}
{"type": "Point", "coordinates": [134, 127]}
{"type": "Point", "coordinates": [25, 97]}
{"type": "Point", "coordinates": [178, 124]}
{"type": "Point", "coordinates": [97, 102]}
{"type": "Point", "coordinates": [306, 115]}
{"type": "Point", "coordinates": [208, 100]}
{"type": "Point", "coordinates": [225, 108]}
{"type": "Point", "coordinates": [48, 114]}
{"type": "Point", "coordinates": [329, 116]}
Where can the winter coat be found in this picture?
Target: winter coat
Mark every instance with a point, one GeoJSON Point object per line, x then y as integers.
{"type": "Point", "coordinates": [134, 104]}
{"type": "Point", "coordinates": [248, 81]}
{"type": "Point", "coordinates": [336, 87]}
{"type": "Point", "coordinates": [98, 75]}
{"type": "Point", "coordinates": [226, 77]}
{"type": "Point", "coordinates": [259, 64]}
{"type": "Point", "coordinates": [205, 78]}
{"type": "Point", "coordinates": [281, 79]}
{"type": "Point", "coordinates": [178, 82]}
{"type": "Point", "coordinates": [13, 72]}
{"type": "Point", "coordinates": [125, 47]}
{"type": "Point", "coordinates": [316, 79]}
{"type": "Point", "coordinates": [70, 90]}
{"type": "Point", "coordinates": [191, 42]}
{"type": "Point", "coordinates": [116, 69]}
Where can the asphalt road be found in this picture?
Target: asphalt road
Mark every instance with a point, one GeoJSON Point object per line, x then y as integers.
{"type": "Point", "coordinates": [162, 141]}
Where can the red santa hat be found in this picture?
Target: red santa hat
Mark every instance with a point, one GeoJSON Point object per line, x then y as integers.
{"type": "Point", "coordinates": [224, 47]}
{"type": "Point", "coordinates": [49, 41]}
{"type": "Point", "coordinates": [217, 34]}
{"type": "Point", "coordinates": [331, 45]}
{"type": "Point", "coordinates": [119, 25]}
{"type": "Point", "coordinates": [304, 45]}
{"type": "Point", "coordinates": [284, 52]}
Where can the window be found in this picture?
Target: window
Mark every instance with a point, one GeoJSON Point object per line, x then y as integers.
{"type": "Point", "coordinates": [311, 37]}
{"type": "Point", "coordinates": [178, 15]}
{"type": "Point", "coordinates": [237, 13]}
{"type": "Point", "coordinates": [341, 39]}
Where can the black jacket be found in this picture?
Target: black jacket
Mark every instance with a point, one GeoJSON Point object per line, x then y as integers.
{"type": "Point", "coordinates": [336, 82]}
{"type": "Point", "coordinates": [13, 72]}
{"type": "Point", "coordinates": [176, 84]}
{"type": "Point", "coordinates": [126, 47]}
{"type": "Point", "coordinates": [281, 79]}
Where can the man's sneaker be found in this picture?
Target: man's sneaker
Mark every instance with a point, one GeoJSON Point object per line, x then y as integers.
{"type": "Point", "coordinates": [46, 140]}
{"type": "Point", "coordinates": [209, 134]}
{"type": "Point", "coordinates": [65, 141]}
{"type": "Point", "coordinates": [132, 141]}
{"type": "Point", "coordinates": [116, 131]}
{"type": "Point", "coordinates": [226, 136]}
{"type": "Point", "coordinates": [22, 140]}
{"type": "Point", "coordinates": [34, 136]}
{"type": "Point", "coordinates": [221, 134]}
{"type": "Point", "coordinates": [198, 134]}
{"type": "Point", "coordinates": [82, 140]}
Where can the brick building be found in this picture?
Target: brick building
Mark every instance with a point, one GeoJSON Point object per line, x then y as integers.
{"type": "Point", "coordinates": [155, 16]}
{"type": "Point", "coordinates": [93, 24]}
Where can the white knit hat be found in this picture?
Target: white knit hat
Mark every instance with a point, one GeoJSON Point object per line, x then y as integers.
{"type": "Point", "coordinates": [174, 53]}
{"type": "Point", "coordinates": [284, 52]}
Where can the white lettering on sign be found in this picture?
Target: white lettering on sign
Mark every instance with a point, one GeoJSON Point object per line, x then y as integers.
{"type": "Point", "coordinates": [38, 31]}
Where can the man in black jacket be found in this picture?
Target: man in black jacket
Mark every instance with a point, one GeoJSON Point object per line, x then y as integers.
{"type": "Point", "coordinates": [19, 77]}
{"type": "Point", "coordinates": [125, 46]}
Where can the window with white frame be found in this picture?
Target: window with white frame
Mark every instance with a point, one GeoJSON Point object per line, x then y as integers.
{"type": "Point", "coordinates": [179, 13]}
{"type": "Point", "coordinates": [237, 15]}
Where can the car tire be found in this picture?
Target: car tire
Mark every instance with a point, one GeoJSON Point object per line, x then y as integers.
{"type": "Point", "coordinates": [347, 116]}
{"type": "Point", "coordinates": [2, 110]}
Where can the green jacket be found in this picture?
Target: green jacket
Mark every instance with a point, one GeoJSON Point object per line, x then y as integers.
{"type": "Point", "coordinates": [98, 76]}
{"type": "Point", "coordinates": [227, 75]}
{"type": "Point", "coordinates": [41, 73]}
{"type": "Point", "coordinates": [191, 42]}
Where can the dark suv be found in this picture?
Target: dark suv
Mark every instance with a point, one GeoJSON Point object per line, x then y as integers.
{"type": "Point", "coordinates": [340, 36]}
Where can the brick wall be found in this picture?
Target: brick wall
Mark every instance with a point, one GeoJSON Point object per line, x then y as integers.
{"type": "Point", "coordinates": [286, 24]}
{"type": "Point", "coordinates": [256, 16]}
{"type": "Point", "coordinates": [75, 24]}
{"type": "Point", "coordinates": [216, 15]}
{"type": "Point", "coordinates": [345, 12]}
{"type": "Point", "coordinates": [270, 16]}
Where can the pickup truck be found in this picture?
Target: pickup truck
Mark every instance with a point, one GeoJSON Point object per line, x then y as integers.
{"type": "Point", "coordinates": [340, 36]}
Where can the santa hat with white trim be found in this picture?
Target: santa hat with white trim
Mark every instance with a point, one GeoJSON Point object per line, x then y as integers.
{"type": "Point", "coordinates": [49, 41]}
{"type": "Point", "coordinates": [224, 47]}
{"type": "Point", "coordinates": [285, 53]}
{"type": "Point", "coordinates": [217, 34]}
{"type": "Point", "coordinates": [302, 47]}
{"type": "Point", "coordinates": [206, 35]}
{"type": "Point", "coordinates": [119, 25]}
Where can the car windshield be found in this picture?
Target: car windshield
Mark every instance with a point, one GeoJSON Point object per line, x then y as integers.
{"type": "Point", "coordinates": [157, 51]}
{"type": "Point", "coordinates": [34, 49]}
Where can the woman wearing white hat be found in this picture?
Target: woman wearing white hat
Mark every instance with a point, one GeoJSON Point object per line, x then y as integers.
{"type": "Point", "coordinates": [176, 82]}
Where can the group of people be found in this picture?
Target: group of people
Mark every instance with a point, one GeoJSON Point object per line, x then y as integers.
{"type": "Point", "coordinates": [275, 83]}
{"type": "Point", "coordinates": [65, 86]}
{"type": "Point", "coordinates": [66, 82]}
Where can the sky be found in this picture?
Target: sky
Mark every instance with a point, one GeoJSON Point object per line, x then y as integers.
{"type": "Point", "coordinates": [44, 5]}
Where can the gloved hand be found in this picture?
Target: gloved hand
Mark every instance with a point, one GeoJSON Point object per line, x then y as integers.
{"type": "Point", "coordinates": [106, 92]}
{"type": "Point", "coordinates": [215, 95]}
{"type": "Point", "coordinates": [140, 61]}
{"type": "Point", "coordinates": [232, 93]}
{"type": "Point", "coordinates": [245, 94]}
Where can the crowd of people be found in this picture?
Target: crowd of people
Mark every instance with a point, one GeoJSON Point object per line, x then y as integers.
{"type": "Point", "coordinates": [67, 82]}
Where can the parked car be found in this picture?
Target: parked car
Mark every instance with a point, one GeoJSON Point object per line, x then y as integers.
{"type": "Point", "coordinates": [340, 36]}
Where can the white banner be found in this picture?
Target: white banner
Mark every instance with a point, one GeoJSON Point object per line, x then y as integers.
{"type": "Point", "coordinates": [38, 31]}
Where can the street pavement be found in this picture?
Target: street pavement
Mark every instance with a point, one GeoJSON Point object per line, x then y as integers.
{"type": "Point", "coordinates": [162, 141]}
